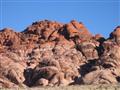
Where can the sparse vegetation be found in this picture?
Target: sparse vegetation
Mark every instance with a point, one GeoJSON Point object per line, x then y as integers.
{"type": "Point", "coordinates": [74, 87]}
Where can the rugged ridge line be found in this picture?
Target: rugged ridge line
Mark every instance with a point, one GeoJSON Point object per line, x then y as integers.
{"type": "Point", "coordinates": [49, 53]}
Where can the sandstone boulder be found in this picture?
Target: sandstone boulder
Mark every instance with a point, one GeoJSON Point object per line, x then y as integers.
{"type": "Point", "coordinates": [100, 77]}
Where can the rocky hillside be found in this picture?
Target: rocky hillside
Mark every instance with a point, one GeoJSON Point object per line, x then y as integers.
{"type": "Point", "coordinates": [49, 53]}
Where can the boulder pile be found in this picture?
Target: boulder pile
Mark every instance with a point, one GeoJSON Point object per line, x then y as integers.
{"type": "Point", "coordinates": [49, 53]}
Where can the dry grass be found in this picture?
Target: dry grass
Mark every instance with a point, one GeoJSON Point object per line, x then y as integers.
{"type": "Point", "coordinates": [75, 87]}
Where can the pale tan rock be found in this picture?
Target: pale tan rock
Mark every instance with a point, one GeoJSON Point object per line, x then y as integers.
{"type": "Point", "coordinates": [42, 82]}
{"type": "Point", "coordinates": [100, 77]}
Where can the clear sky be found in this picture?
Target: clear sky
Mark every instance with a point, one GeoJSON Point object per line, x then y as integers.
{"type": "Point", "coordinates": [99, 16]}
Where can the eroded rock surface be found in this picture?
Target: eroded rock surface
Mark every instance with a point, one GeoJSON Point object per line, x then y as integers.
{"type": "Point", "coordinates": [49, 53]}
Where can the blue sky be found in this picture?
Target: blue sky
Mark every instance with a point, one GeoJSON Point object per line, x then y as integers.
{"type": "Point", "coordinates": [99, 16]}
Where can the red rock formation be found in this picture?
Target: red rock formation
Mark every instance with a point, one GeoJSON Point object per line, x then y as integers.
{"type": "Point", "coordinates": [54, 54]}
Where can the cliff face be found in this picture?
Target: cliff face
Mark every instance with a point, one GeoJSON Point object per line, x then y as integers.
{"type": "Point", "coordinates": [50, 53]}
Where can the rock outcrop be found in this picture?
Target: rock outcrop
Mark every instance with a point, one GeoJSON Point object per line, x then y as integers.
{"type": "Point", "coordinates": [49, 53]}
